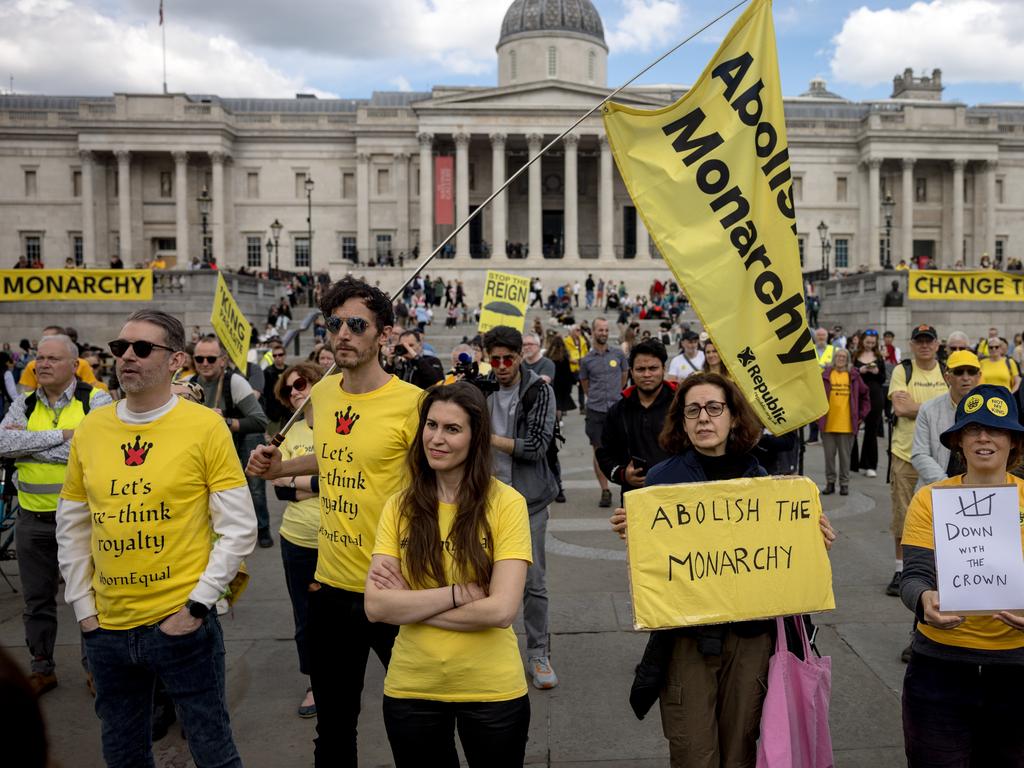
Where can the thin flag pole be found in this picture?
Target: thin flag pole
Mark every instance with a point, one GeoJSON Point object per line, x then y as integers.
{"type": "Point", "coordinates": [280, 436]}
{"type": "Point", "coordinates": [163, 35]}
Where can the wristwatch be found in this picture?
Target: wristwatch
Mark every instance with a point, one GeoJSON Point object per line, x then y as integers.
{"type": "Point", "coordinates": [291, 483]}
{"type": "Point", "coordinates": [197, 610]}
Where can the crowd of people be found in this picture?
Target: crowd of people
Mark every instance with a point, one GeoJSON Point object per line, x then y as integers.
{"type": "Point", "coordinates": [417, 497]}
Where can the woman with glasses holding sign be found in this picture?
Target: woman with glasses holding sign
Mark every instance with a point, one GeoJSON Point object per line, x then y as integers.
{"type": "Point", "coordinates": [300, 523]}
{"type": "Point", "coordinates": [961, 692]}
{"type": "Point", "coordinates": [710, 678]}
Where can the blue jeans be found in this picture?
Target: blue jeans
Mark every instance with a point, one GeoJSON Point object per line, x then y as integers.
{"type": "Point", "coordinates": [125, 665]}
{"type": "Point", "coordinates": [299, 571]}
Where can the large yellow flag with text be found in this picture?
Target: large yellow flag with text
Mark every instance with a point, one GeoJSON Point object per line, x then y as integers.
{"type": "Point", "coordinates": [710, 175]}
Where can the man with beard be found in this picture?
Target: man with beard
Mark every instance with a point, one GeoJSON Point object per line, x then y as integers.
{"type": "Point", "coordinates": [603, 376]}
{"type": "Point", "coordinates": [629, 441]}
{"type": "Point", "coordinates": [364, 421]}
{"type": "Point", "coordinates": [153, 523]}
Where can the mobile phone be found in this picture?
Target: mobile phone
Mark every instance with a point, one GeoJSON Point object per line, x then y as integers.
{"type": "Point", "coordinates": [640, 465]}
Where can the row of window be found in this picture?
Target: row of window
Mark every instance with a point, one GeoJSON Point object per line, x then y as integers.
{"type": "Point", "coordinates": [921, 190]}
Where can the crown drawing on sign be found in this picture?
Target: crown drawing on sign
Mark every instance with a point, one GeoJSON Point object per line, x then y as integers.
{"type": "Point", "coordinates": [979, 508]}
{"type": "Point", "coordinates": [135, 455]}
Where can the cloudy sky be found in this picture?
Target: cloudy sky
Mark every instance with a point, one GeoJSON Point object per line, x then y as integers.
{"type": "Point", "coordinates": [353, 47]}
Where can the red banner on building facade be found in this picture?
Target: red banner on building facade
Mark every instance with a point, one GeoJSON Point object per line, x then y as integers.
{"type": "Point", "coordinates": [444, 190]}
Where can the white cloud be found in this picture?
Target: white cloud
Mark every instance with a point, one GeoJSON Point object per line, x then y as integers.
{"type": "Point", "coordinates": [401, 83]}
{"type": "Point", "coordinates": [969, 40]}
{"type": "Point", "coordinates": [647, 24]}
{"type": "Point", "coordinates": [55, 46]}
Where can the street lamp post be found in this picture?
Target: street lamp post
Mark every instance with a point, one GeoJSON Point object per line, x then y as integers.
{"type": "Point", "coordinates": [826, 249]}
{"type": "Point", "coordinates": [204, 200]}
{"type": "Point", "coordinates": [309, 227]}
{"type": "Point", "coordinates": [275, 230]}
{"type": "Point", "coordinates": [888, 207]}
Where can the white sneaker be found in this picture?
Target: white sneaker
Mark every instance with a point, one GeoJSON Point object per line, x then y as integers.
{"type": "Point", "coordinates": [544, 676]}
{"type": "Point", "coordinates": [871, 473]}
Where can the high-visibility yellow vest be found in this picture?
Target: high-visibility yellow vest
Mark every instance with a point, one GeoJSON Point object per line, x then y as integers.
{"type": "Point", "coordinates": [39, 483]}
{"type": "Point", "coordinates": [825, 356]}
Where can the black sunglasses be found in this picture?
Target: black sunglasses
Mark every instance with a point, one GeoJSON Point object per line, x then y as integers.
{"type": "Point", "coordinates": [357, 325]}
{"type": "Point", "coordinates": [969, 370]}
{"type": "Point", "coordinates": [299, 385]}
{"type": "Point", "coordinates": [208, 359]}
{"type": "Point", "coordinates": [141, 348]}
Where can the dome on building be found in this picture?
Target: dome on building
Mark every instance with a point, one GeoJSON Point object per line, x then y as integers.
{"type": "Point", "coordinates": [552, 17]}
{"type": "Point", "coordinates": [818, 90]}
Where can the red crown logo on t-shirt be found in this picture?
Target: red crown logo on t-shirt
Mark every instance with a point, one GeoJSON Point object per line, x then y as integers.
{"type": "Point", "coordinates": [346, 420]}
{"type": "Point", "coordinates": [135, 455]}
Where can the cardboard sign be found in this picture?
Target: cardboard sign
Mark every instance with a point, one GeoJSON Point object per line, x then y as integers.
{"type": "Point", "coordinates": [230, 324]}
{"type": "Point", "coordinates": [733, 550]}
{"type": "Point", "coordinates": [504, 302]}
{"type": "Point", "coordinates": [76, 285]}
{"type": "Point", "coordinates": [979, 559]}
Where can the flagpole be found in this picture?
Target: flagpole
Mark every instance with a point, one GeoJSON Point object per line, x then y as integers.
{"type": "Point", "coordinates": [163, 35]}
{"type": "Point", "coordinates": [279, 437]}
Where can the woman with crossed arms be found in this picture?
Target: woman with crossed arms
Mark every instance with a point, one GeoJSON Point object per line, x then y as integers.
{"type": "Point", "coordinates": [449, 567]}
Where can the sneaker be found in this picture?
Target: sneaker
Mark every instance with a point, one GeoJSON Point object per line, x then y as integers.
{"type": "Point", "coordinates": [893, 590]}
{"type": "Point", "coordinates": [829, 489]}
{"type": "Point", "coordinates": [606, 498]}
{"type": "Point", "coordinates": [560, 498]}
{"type": "Point", "coordinates": [871, 473]}
{"type": "Point", "coordinates": [42, 683]}
{"type": "Point", "coordinates": [844, 490]}
{"type": "Point", "coordinates": [264, 538]}
{"type": "Point", "coordinates": [544, 676]}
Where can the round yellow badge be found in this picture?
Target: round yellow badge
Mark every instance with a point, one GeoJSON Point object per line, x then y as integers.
{"type": "Point", "coordinates": [613, 363]}
{"type": "Point", "coordinates": [973, 403]}
{"type": "Point", "coordinates": [998, 406]}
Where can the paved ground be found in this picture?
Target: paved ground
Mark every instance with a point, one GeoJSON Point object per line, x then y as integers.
{"type": "Point", "coordinates": [586, 720]}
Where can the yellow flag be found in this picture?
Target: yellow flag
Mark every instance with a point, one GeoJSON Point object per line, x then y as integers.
{"type": "Point", "coordinates": [710, 175]}
{"type": "Point", "coordinates": [230, 324]}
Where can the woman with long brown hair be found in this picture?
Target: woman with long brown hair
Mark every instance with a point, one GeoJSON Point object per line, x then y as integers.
{"type": "Point", "coordinates": [449, 566]}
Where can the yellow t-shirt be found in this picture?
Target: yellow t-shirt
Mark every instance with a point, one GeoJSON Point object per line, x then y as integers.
{"type": "Point", "coordinates": [839, 418]}
{"type": "Point", "coordinates": [998, 372]}
{"type": "Point", "coordinates": [361, 445]}
{"type": "Point", "coordinates": [301, 521]}
{"type": "Point", "coordinates": [83, 372]}
{"type": "Point", "coordinates": [577, 349]}
{"type": "Point", "coordinates": [445, 665]}
{"type": "Point", "coordinates": [148, 487]}
{"type": "Point", "coordinates": [981, 632]}
{"type": "Point", "coordinates": [924, 385]}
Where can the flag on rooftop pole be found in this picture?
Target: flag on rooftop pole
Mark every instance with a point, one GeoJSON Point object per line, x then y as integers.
{"type": "Point", "coordinates": [710, 175]}
{"type": "Point", "coordinates": [161, 13]}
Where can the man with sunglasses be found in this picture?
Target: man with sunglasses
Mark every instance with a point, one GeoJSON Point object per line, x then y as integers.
{"type": "Point", "coordinates": [230, 395]}
{"type": "Point", "coordinates": [275, 410]}
{"type": "Point", "coordinates": [522, 414]}
{"type": "Point", "coordinates": [154, 520]}
{"type": "Point", "coordinates": [36, 432]}
{"type": "Point", "coordinates": [364, 421]}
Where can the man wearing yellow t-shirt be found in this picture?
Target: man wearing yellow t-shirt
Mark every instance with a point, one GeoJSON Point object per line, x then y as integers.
{"type": "Point", "coordinates": [364, 421]}
{"type": "Point", "coordinates": [907, 393]}
{"type": "Point", "coordinates": [154, 520]}
{"type": "Point", "coordinates": [83, 372]}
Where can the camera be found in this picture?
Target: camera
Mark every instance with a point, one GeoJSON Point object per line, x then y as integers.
{"type": "Point", "coordinates": [467, 369]}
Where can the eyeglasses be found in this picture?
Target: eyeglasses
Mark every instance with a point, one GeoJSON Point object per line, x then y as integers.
{"type": "Point", "coordinates": [503, 361]}
{"type": "Point", "coordinates": [965, 370]}
{"type": "Point", "coordinates": [956, 349]}
{"type": "Point", "coordinates": [299, 385]}
{"type": "Point", "coordinates": [208, 359]}
{"type": "Point", "coordinates": [713, 407]}
{"type": "Point", "coordinates": [974, 430]}
{"type": "Point", "coordinates": [142, 349]}
{"type": "Point", "coordinates": [278, 354]}
{"type": "Point", "coordinates": [357, 325]}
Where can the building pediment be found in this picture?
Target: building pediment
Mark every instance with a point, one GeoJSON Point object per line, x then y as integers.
{"type": "Point", "coordinates": [548, 95]}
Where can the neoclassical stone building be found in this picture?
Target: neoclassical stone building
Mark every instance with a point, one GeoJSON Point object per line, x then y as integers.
{"type": "Point", "coordinates": [88, 177]}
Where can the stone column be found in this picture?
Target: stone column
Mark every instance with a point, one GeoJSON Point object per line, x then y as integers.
{"type": "Point", "coordinates": [426, 193]}
{"type": "Point", "coordinates": [536, 236]}
{"type": "Point", "coordinates": [124, 204]}
{"type": "Point", "coordinates": [907, 213]}
{"type": "Point", "coordinates": [88, 211]}
{"type": "Point", "coordinates": [958, 213]}
{"type": "Point", "coordinates": [219, 235]}
{"type": "Point", "coordinates": [874, 209]}
{"type": "Point", "coordinates": [462, 193]}
{"type": "Point", "coordinates": [572, 198]}
{"type": "Point", "coordinates": [181, 208]}
{"type": "Point", "coordinates": [990, 208]}
{"type": "Point", "coordinates": [643, 238]}
{"type": "Point", "coordinates": [606, 204]}
{"type": "Point", "coordinates": [363, 208]}
{"type": "Point", "coordinates": [499, 206]}
{"type": "Point", "coordinates": [402, 188]}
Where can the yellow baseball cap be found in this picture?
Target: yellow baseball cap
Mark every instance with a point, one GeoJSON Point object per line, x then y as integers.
{"type": "Point", "coordinates": [962, 358]}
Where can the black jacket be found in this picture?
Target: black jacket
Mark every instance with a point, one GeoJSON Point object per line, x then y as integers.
{"type": "Point", "coordinates": [632, 430]}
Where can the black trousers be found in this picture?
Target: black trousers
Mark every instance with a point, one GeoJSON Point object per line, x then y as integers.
{"type": "Point", "coordinates": [493, 734]}
{"type": "Point", "coordinates": [339, 639]}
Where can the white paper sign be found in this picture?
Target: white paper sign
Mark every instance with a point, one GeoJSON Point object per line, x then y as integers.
{"type": "Point", "coordinates": [978, 554]}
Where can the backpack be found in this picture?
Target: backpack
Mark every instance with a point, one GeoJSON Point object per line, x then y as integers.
{"type": "Point", "coordinates": [83, 392]}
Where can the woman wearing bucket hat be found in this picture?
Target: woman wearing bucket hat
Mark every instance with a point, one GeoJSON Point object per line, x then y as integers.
{"type": "Point", "coordinates": [962, 686]}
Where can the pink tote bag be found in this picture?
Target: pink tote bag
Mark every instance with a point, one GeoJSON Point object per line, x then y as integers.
{"type": "Point", "coordinates": [794, 719]}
